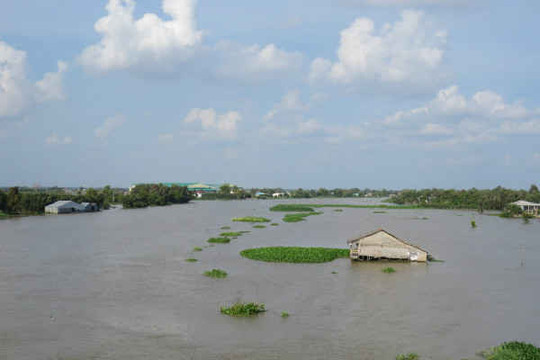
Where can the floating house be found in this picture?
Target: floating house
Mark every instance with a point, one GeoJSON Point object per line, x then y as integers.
{"type": "Point", "coordinates": [528, 207]}
{"type": "Point", "coordinates": [380, 244]}
{"type": "Point", "coordinates": [68, 207]}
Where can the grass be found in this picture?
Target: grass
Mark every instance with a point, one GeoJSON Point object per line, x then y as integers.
{"type": "Point", "coordinates": [243, 309]}
{"type": "Point", "coordinates": [216, 274]}
{"type": "Point", "coordinates": [295, 254]}
{"type": "Point", "coordinates": [389, 270]}
{"type": "Point", "coordinates": [513, 350]}
{"type": "Point", "coordinates": [192, 260]}
{"type": "Point", "coordinates": [274, 224]}
{"type": "Point", "coordinates": [252, 219]}
{"type": "Point", "coordinates": [297, 217]}
{"type": "Point", "coordinates": [197, 248]}
{"type": "Point", "coordinates": [225, 228]}
{"type": "Point", "coordinates": [259, 227]}
{"type": "Point", "coordinates": [284, 314]}
{"type": "Point", "coordinates": [292, 208]}
{"type": "Point", "coordinates": [219, 240]}
{"type": "Point", "coordinates": [233, 233]}
{"type": "Point", "coordinates": [409, 356]}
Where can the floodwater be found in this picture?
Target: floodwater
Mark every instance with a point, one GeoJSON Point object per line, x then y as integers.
{"type": "Point", "coordinates": [115, 285]}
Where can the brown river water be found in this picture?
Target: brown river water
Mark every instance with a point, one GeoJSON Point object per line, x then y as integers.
{"type": "Point", "coordinates": [115, 285]}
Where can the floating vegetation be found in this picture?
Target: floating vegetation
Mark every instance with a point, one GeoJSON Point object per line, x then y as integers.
{"type": "Point", "coordinates": [338, 210]}
{"type": "Point", "coordinates": [219, 240]}
{"type": "Point", "coordinates": [409, 356]}
{"type": "Point", "coordinates": [274, 224]}
{"type": "Point", "coordinates": [243, 309]}
{"type": "Point", "coordinates": [295, 254]}
{"type": "Point", "coordinates": [197, 248]}
{"type": "Point", "coordinates": [284, 314]}
{"type": "Point", "coordinates": [514, 350]}
{"type": "Point", "coordinates": [216, 274]}
{"type": "Point", "coordinates": [379, 212]}
{"type": "Point", "coordinates": [473, 224]}
{"type": "Point", "coordinates": [292, 208]}
{"type": "Point", "coordinates": [259, 227]}
{"type": "Point", "coordinates": [334, 272]}
{"type": "Point", "coordinates": [192, 260]}
{"type": "Point", "coordinates": [252, 219]}
{"type": "Point", "coordinates": [297, 217]}
{"type": "Point", "coordinates": [233, 233]}
{"type": "Point", "coordinates": [225, 228]}
{"type": "Point", "coordinates": [389, 270]}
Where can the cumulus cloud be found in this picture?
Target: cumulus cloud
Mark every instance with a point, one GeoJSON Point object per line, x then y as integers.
{"type": "Point", "coordinates": [408, 51]}
{"type": "Point", "coordinates": [249, 62]}
{"type": "Point", "coordinates": [409, 2]}
{"type": "Point", "coordinates": [54, 139]}
{"type": "Point", "coordinates": [17, 92]}
{"type": "Point", "coordinates": [481, 118]}
{"type": "Point", "coordinates": [290, 102]}
{"type": "Point", "coordinates": [127, 42]}
{"type": "Point", "coordinates": [213, 125]}
{"type": "Point", "coordinates": [111, 124]}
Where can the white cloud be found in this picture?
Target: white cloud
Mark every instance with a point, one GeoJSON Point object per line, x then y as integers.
{"type": "Point", "coordinates": [165, 138]}
{"type": "Point", "coordinates": [290, 102]}
{"type": "Point", "coordinates": [54, 139]}
{"type": "Point", "coordinates": [482, 118]}
{"type": "Point", "coordinates": [214, 125]}
{"type": "Point", "coordinates": [249, 62]}
{"type": "Point", "coordinates": [127, 42]}
{"type": "Point", "coordinates": [111, 123]}
{"type": "Point", "coordinates": [409, 2]}
{"type": "Point", "coordinates": [408, 51]}
{"type": "Point", "coordinates": [17, 92]}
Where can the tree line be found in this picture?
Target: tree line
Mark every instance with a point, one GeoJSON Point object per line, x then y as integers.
{"type": "Point", "coordinates": [144, 195]}
{"type": "Point", "coordinates": [25, 201]}
{"type": "Point", "coordinates": [494, 199]}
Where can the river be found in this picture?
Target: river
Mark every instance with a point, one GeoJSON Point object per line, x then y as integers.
{"type": "Point", "coordinates": [115, 285]}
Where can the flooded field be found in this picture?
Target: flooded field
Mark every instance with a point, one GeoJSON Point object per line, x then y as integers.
{"type": "Point", "coordinates": [115, 285]}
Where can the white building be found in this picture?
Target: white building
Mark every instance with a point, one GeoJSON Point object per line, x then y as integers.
{"type": "Point", "coordinates": [68, 206]}
{"type": "Point", "coordinates": [527, 207]}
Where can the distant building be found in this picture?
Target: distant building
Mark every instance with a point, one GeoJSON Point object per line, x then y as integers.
{"type": "Point", "coordinates": [380, 244]}
{"type": "Point", "coordinates": [68, 207]}
{"type": "Point", "coordinates": [527, 207]}
{"type": "Point", "coordinates": [278, 195]}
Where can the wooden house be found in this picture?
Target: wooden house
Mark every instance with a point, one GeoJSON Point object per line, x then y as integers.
{"type": "Point", "coordinates": [380, 244]}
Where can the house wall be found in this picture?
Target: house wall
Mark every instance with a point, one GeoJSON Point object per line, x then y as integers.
{"type": "Point", "coordinates": [382, 245]}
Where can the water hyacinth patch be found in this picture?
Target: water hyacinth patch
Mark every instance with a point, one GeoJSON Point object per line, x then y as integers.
{"type": "Point", "coordinates": [192, 260]}
{"type": "Point", "coordinates": [294, 254]}
{"type": "Point", "coordinates": [243, 309]}
{"type": "Point", "coordinates": [297, 217]}
{"type": "Point", "coordinates": [197, 248]}
{"type": "Point", "coordinates": [216, 274]}
{"type": "Point", "coordinates": [389, 270]}
{"type": "Point", "coordinates": [219, 240]}
{"type": "Point", "coordinates": [252, 219]}
{"type": "Point", "coordinates": [233, 233]}
{"type": "Point", "coordinates": [259, 227]}
{"type": "Point", "coordinates": [514, 350]}
{"type": "Point", "coordinates": [292, 208]}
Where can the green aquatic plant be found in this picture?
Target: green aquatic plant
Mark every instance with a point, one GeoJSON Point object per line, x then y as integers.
{"type": "Point", "coordinates": [338, 210]}
{"type": "Point", "coordinates": [253, 219]}
{"type": "Point", "coordinates": [216, 274]}
{"type": "Point", "coordinates": [284, 314]}
{"type": "Point", "coordinates": [294, 254]}
{"type": "Point", "coordinates": [473, 224]}
{"type": "Point", "coordinates": [334, 272]}
{"type": "Point", "coordinates": [219, 240]}
{"type": "Point", "coordinates": [274, 224]}
{"type": "Point", "coordinates": [225, 228]}
{"type": "Point", "coordinates": [259, 227]}
{"type": "Point", "coordinates": [243, 309]}
{"type": "Point", "coordinates": [409, 356]}
{"type": "Point", "coordinates": [192, 260]}
{"type": "Point", "coordinates": [297, 217]}
{"type": "Point", "coordinates": [389, 270]}
{"type": "Point", "coordinates": [514, 350]}
{"type": "Point", "coordinates": [233, 233]}
{"type": "Point", "coordinates": [379, 212]}
{"type": "Point", "coordinates": [292, 208]}
{"type": "Point", "coordinates": [197, 248]}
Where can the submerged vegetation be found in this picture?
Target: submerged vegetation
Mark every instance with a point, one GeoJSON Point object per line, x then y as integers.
{"type": "Point", "coordinates": [252, 219]}
{"type": "Point", "coordinates": [514, 350]}
{"type": "Point", "coordinates": [216, 274]}
{"type": "Point", "coordinates": [389, 270]}
{"type": "Point", "coordinates": [295, 254]}
{"type": "Point", "coordinates": [297, 217]}
{"type": "Point", "coordinates": [219, 240]}
{"type": "Point", "coordinates": [243, 309]}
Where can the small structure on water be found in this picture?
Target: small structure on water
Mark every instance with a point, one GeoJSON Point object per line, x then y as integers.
{"type": "Point", "coordinates": [380, 244]}
{"type": "Point", "coordinates": [68, 207]}
{"type": "Point", "coordinates": [528, 207]}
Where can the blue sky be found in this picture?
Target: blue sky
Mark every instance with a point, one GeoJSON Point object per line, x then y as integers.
{"type": "Point", "coordinates": [350, 93]}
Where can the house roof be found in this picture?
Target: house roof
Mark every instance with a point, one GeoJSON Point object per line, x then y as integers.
{"type": "Point", "coordinates": [388, 233]}
{"type": "Point", "coordinates": [524, 203]}
{"type": "Point", "coordinates": [62, 203]}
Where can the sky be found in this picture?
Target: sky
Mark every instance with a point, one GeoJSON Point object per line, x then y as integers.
{"type": "Point", "coordinates": [344, 93]}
